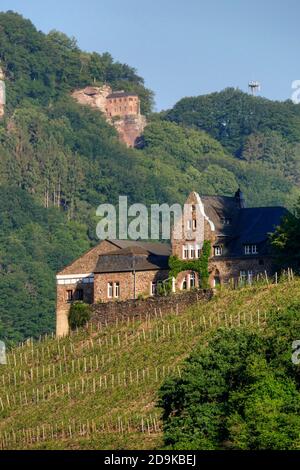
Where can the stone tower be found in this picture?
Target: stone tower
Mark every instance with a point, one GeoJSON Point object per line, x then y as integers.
{"type": "Point", "coordinates": [2, 93]}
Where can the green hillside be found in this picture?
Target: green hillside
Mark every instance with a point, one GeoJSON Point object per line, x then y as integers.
{"type": "Point", "coordinates": [98, 388]}
{"type": "Point", "coordinates": [59, 161]}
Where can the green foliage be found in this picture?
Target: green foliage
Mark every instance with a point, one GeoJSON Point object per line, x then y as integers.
{"type": "Point", "coordinates": [231, 116]}
{"type": "Point", "coordinates": [80, 315]}
{"type": "Point", "coordinates": [35, 243]}
{"type": "Point", "coordinates": [240, 390]}
{"type": "Point", "coordinates": [43, 67]}
{"type": "Point", "coordinates": [199, 265]}
{"type": "Point", "coordinates": [62, 160]}
{"type": "Point", "coordinates": [286, 240]}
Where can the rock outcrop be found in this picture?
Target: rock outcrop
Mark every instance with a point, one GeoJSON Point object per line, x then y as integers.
{"type": "Point", "coordinates": [121, 109]}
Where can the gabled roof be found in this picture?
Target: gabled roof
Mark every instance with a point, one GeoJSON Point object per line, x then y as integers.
{"type": "Point", "coordinates": [221, 207]}
{"type": "Point", "coordinates": [152, 247]}
{"type": "Point", "coordinates": [132, 258]}
{"type": "Point", "coordinates": [247, 225]}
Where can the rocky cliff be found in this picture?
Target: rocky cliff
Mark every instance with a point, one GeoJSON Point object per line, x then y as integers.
{"type": "Point", "coordinates": [130, 126]}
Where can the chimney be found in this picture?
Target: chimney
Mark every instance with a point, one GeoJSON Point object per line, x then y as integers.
{"type": "Point", "coordinates": [239, 197]}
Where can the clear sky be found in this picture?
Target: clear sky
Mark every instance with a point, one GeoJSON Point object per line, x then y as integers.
{"type": "Point", "coordinates": [184, 47]}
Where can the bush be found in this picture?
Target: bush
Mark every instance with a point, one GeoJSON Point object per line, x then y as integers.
{"type": "Point", "coordinates": [80, 314]}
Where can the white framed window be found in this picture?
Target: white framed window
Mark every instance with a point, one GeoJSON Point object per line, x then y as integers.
{"type": "Point", "coordinates": [250, 277]}
{"type": "Point", "coordinates": [218, 250]}
{"type": "Point", "coordinates": [198, 249]}
{"type": "Point", "coordinates": [192, 280]}
{"type": "Point", "coordinates": [117, 290]}
{"type": "Point", "coordinates": [110, 290]}
{"type": "Point", "coordinates": [189, 225]}
{"type": "Point", "coordinates": [251, 250]}
{"type": "Point", "coordinates": [185, 252]}
{"type": "Point", "coordinates": [243, 275]}
{"type": "Point", "coordinates": [153, 288]}
{"type": "Point", "coordinates": [192, 252]}
{"type": "Point", "coordinates": [184, 284]}
{"type": "Point", "coordinates": [194, 224]}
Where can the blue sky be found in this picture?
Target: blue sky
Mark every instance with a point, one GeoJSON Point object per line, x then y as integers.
{"type": "Point", "coordinates": [184, 47]}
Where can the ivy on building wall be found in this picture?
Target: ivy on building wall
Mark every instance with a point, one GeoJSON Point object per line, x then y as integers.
{"type": "Point", "coordinates": [199, 265]}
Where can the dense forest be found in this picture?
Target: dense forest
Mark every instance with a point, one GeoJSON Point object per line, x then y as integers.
{"type": "Point", "coordinates": [238, 390]}
{"type": "Point", "coordinates": [59, 160]}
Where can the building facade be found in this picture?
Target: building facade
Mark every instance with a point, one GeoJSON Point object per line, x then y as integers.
{"type": "Point", "coordinates": [118, 270]}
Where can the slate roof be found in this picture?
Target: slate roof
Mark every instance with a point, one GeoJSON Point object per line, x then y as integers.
{"type": "Point", "coordinates": [134, 256]}
{"type": "Point", "coordinates": [248, 225]}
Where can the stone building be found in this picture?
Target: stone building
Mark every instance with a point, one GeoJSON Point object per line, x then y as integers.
{"type": "Point", "coordinates": [114, 270]}
{"type": "Point", "coordinates": [239, 236]}
{"type": "Point", "coordinates": [121, 109]}
{"type": "Point", "coordinates": [117, 270]}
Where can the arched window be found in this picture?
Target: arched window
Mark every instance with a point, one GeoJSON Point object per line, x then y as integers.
{"type": "Point", "coordinates": [184, 284]}
{"type": "Point", "coordinates": [192, 280]}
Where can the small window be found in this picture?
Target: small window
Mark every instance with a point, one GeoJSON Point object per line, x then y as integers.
{"type": "Point", "coordinates": [251, 250]}
{"type": "Point", "coordinates": [69, 295]}
{"type": "Point", "coordinates": [247, 249]}
{"type": "Point", "coordinates": [192, 252]}
{"type": "Point", "coordinates": [189, 225]}
{"type": "Point", "coordinates": [226, 221]}
{"type": "Point", "coordinates": [117, 290]}
{"type": "Point", "coordinates": [192, 280]}
{"type": "Point", "coordinates": [243, 275]}
{"type": "Point", "coordinates": [153, 290]}
{"type": "Point", "coordinates": [218, 250]}
{"type": "Point", "coordinates": [198, 252]}
{"type": "Point", "coordinates": [194, 224]}
{"type": "Point", "coordinates": [185, 252]}
{"type": "Point", "coordinates": [110, 290]}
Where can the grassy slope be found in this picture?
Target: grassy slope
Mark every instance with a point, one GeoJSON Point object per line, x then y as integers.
{"type": "Point", "coordinates": [103, 395]}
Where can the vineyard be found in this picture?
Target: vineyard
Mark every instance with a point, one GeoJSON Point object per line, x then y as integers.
{"type": "Point", "coordinates": [97, 388]}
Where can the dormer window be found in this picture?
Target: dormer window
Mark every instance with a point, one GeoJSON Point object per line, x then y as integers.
{"type": "Point", "coordinates": [251, 249]}
{"type": "Point", "coordinates": [226, 221]}
{"type": "Point", "coordinates": [218, 250]}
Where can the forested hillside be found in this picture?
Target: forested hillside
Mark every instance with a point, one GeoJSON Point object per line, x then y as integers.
{"type": "Point", "coordinates": [59, 160]}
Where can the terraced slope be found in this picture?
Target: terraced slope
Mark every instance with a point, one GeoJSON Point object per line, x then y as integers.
{"type": "Point", "coordinates": [97, 389]}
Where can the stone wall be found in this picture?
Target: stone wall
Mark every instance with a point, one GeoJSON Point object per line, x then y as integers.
{"type": "Point", "coordinates": [153, 306]}
{"type": "Point", "coordinates": [122, 106]}
{"type": "Point", "coordinates": [140, 283]}
{"type": "Point", "coordinates": [229, 269]}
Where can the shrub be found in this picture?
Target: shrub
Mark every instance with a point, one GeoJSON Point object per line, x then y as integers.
{"type": "Point", "coordinates": [80, 314]}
